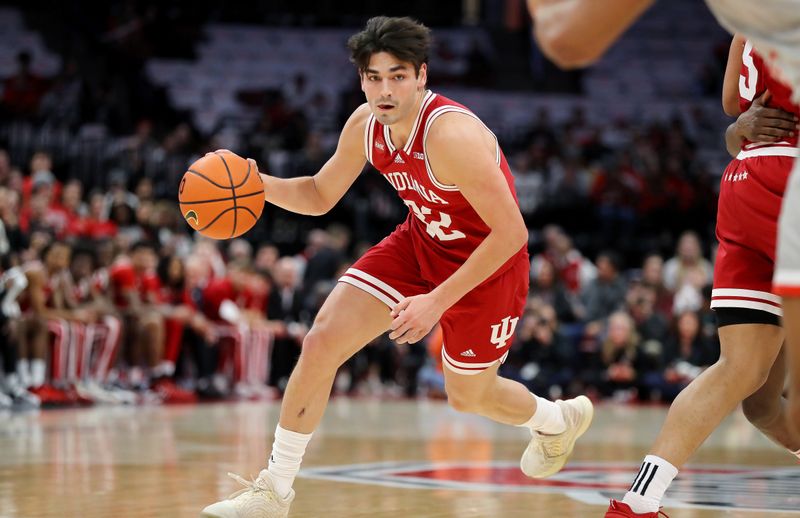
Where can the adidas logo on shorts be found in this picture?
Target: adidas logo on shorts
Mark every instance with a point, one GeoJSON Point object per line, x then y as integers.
{"type": "Point", "coordinates": [469, 354]}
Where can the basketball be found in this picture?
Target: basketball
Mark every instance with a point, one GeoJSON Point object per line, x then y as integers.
{"type": "Point", "coordinates": [221, 195]}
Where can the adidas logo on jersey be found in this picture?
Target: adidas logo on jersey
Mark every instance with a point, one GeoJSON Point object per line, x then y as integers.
{"type": "Point", "coordinates": [469, 354]}
{"type": "Point", "coordinates": [399, 160]}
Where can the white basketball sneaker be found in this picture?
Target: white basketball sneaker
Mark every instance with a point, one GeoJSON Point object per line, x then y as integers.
{"type": "Point", "coordinates": [547, 454]}
{"type": "Point", "coordinates": [257, 500]}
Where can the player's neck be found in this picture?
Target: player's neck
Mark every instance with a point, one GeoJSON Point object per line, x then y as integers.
{"type": "Point", "coordinates": [401, 130]}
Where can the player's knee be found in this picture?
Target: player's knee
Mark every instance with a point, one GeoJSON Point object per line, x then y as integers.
{"type": "Point", "coordinates": [758, 410]}
{"type": "Point", "coordinates": [319, 352]}
{"type": "Point", "coordinates": [747, 376]}
{"type": "Point", "coordinates": [464, 401]}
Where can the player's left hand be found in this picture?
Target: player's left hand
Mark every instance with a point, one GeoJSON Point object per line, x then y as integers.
{"type": "Point", "coordinates": [414, 317]}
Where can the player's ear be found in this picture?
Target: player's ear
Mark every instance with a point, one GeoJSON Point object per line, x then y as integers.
{"type": "Point", "coordinates": [422, 76]}
{"type": "Point", "coordinates": [362, 77]}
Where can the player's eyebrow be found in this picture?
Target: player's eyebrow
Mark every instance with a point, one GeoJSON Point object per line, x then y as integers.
{"type": "Point", "coordinates": [394, 68]}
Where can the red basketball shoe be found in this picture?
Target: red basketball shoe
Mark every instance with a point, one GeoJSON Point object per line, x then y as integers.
{"type": "Point", "coordinates": [619, 510]}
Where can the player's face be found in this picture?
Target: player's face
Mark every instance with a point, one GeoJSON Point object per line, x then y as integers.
{"type": "Point", "coordinates": [392, 87]}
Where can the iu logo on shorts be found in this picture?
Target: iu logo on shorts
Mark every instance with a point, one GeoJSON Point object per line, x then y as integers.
{"type": "Point", "coordinates": [503, 331]}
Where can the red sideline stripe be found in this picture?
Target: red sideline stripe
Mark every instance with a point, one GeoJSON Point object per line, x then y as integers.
{"type": "Point", "coordinates": [751, 299]}
{"type": "Point", "coordinates": [377, 288]}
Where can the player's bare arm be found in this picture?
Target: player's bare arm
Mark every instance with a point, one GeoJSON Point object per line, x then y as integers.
{"type": "Point", "coordinates": [730, 84]}
{"type": "Point", "coordinates": [316, 195]}
{"type": "Point", "coordinates": [760, 124]}
{"type": "Point", "coordinates": [463, 153]}
{"type": "Point", "coordinates": [575, 33]}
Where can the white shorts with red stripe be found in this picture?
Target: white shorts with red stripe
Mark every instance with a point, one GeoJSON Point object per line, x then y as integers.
{"type": "Point", "coordinates": [478, 330]}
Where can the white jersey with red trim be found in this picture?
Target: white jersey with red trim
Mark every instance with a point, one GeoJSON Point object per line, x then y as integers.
{"type": "Point", "coordinates": [445, 226]}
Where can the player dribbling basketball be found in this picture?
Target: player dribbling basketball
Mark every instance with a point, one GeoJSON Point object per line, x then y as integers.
{"type": "Point", "coordinates": [459, 258]}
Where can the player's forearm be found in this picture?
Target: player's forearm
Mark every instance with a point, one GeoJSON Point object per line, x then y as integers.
{"type": "Point", "coordinates": [575, 33]}
{"type": "Point", "coordinates": [298, 195]}
{"type": "Point", "coordinates": [487, 258]}
{"type": "Point", "coordinates": [733, 140]}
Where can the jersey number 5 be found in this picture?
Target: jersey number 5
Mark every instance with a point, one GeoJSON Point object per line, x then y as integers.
{"type": "Point", "coordinates": [747, 85]}
{"type": "Point", "coordinates": [435, 229]}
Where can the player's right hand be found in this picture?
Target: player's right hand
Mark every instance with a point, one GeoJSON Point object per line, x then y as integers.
{"type": "Point", "coordinates": [762, 124]}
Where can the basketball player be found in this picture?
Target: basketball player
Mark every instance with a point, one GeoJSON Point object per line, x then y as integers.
{"type": "Point", "coordinates": [460, 258]}
{"type": "Point", "coordinates": [573, 33]}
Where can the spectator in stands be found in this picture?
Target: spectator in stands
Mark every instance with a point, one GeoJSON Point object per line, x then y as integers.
{"type": "Point", "coordinates": [619, 355]}
{"type": "Point", "coordinates": [689, 258]}
{"type": "Point", "coordinates": [23, 91]}
{"type": "Point", "coordinates": [542, 358]}
{"type": "Point", "coordinates": [687, 354]}
{"type": "Point", "coordinates": [96, 225]}
{"type": "Point", "coordinates": [606, 293]}
{"type": "Point", "coordinates": [286, 305]}
{"type": "Point", "coordinates": [653, 278]}
{"type": "Point", "coordinates": [547, 287]}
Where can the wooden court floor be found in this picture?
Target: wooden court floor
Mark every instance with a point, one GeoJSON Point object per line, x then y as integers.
{"type": "Point", "coordinates": [369, 459]}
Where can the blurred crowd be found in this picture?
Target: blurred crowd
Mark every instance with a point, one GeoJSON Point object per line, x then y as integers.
{"type": "Point", "coordinates": [106, 295]}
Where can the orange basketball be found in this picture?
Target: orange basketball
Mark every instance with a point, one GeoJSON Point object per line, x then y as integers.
{"type": "Point", "coordinates": [221, 195]}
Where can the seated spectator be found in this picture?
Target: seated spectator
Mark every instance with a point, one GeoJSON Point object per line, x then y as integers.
{"type": "Point", "coordinates": [687, 353]}
{"type": "Point", "coordinates": [542, 358]}
{"type": "Point", "coordinates": [653, 278]}
{"type": "Point", "coordinates": [614, 370]}
{"type": "Point", "coordinates": [689, 258]}
{"type": "Point", "coordinates": [606, 293]}
{"type": "Point", "coordinates": [547, 287]}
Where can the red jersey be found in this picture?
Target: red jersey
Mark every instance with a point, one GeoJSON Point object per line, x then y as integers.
{"type": "Point", "coordinates": [440, 219]}
{"type": "Point", "coordinates": [123, 278]}
{"type": "Point", "coordinates": [754, 80]}
{"type": "Point", "coordinates": [219, 290]}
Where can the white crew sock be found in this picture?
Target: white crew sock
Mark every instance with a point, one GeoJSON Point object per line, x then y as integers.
{"type": "Point", "coordinates": [38, 372]}
{"type": "Point", "coordinates": [287, 454]}
{"type": "Point", "coordinates": [24, 372]}
{"type": "Point", "coordinates": [547, 419]}
{"type": "Point", "coordinates": [651, 482]}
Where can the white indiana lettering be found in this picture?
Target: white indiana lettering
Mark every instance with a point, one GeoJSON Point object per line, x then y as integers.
{"type": "Point", "coordinates": [402, 181]}
{"type": "Point", "coordinates": [503, 331]}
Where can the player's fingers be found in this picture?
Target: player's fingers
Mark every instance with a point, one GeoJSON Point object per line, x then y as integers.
{"type": "Point", "coordinates": [763, 137]}
{"type": "Point", "coordinates": [253, 164]}
{"type": "Point", "coordinates": [780, 124]}
{"type": "Point", "coordinates": [399, 329]}
{"type": "Point", "coordinates": [774, 132]}
{"type": "Point", "coordinates": [401, 335]}
{"type": "Point", "coordinates": [774, 113]}
{"type": "Point", "coordinates": [403, 304]}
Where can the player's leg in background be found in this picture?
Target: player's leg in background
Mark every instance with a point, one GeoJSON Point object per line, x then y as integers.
{"type": "Point", "coordinates": [787, 284]}
{"type": "Point", "coordinates": [748, 352]}
{"type": "Point", "coordinates": [767, 409]}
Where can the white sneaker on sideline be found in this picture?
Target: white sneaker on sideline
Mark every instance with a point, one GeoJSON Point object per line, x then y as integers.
{"type": "Point", "coordinates": [257, 500]}
{"type": "Point", "coordinates": [547, 454]}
